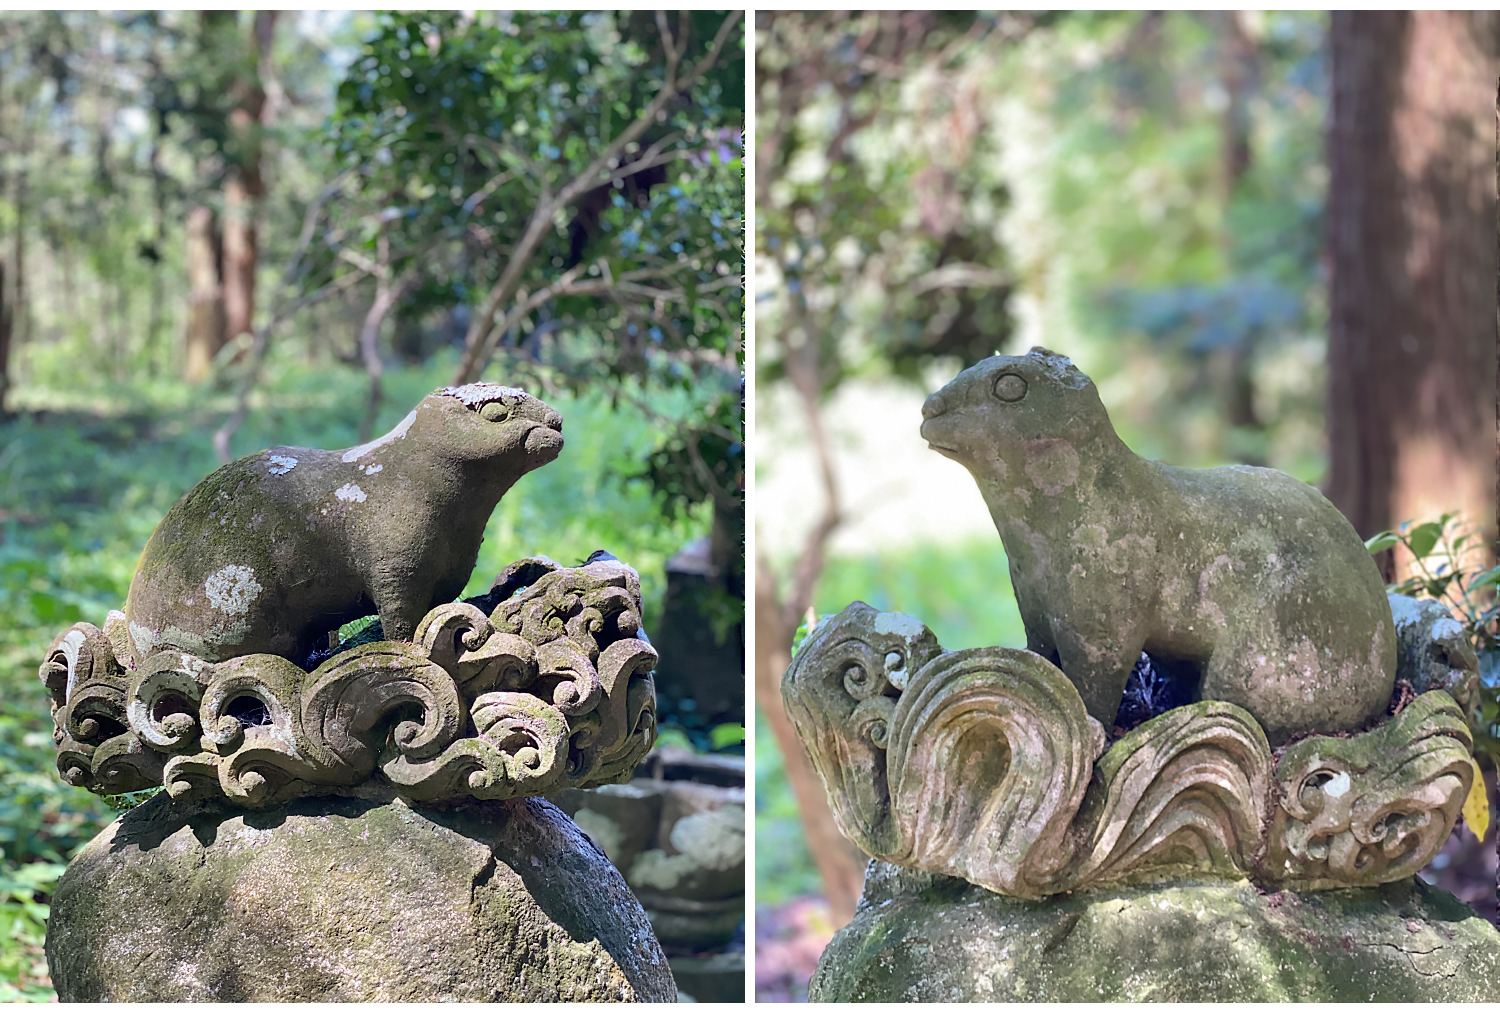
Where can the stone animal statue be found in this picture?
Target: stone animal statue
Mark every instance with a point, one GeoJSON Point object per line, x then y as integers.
{"type": "Point", "coordinates": [1242, 582]}
{"type": "Point", "coordinates": [271, 552]}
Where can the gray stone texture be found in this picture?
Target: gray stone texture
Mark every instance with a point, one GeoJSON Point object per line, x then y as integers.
{"type": "Point", "coordinates": [350, 899]}
{"type": "Point", "coordinates": [923, 938]}
{"type": "Point", "coordinates": [1245, 581]}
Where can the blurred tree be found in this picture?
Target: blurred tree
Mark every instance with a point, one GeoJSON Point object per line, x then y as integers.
{"type": "Point", "coordinates": [574, 183]}
{"type": "Point", "coordinates": [1412, 347]}
{"type": "Point", "coordinates": [877, 239]}
{"type": "Point", "coordinates": [221, 91]}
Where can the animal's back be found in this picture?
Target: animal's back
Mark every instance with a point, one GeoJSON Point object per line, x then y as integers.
{"type": "Point", "coordinates": [242, 557]}
{"type": "Point", "coordinates": [1301, 628]}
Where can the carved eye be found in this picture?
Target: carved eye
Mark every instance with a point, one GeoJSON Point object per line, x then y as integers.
{"type": "Point", "coordinates": [494, 412]}
{"type": "Point", "coordinates": [1010, 387]}
{"type": "Point", "coordinates": [1321, 785]}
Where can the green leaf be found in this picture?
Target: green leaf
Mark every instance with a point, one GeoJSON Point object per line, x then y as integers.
{"type": "Point", "coordinates": [671, 737]}
{"type": "Point", "coordinates": [1381, 542]}
{"type": "Point", "coordinates": [801, 634]}
{"type": "Point", "coordinates": [1423, 538]}
{"type": "Point", "coordinates": [726, 735]}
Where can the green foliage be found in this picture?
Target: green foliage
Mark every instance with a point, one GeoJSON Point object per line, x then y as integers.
{"type": "Point", "coordinates": [1443, 554]}
{"type": "Point", "coordinates": [783, 867]}
{"type": "Point", "coordinates": [459, 128]}
{"type": "Point", "coordinates": [724, 736]}
{"type": "Point", "coordinates": [877, 208]}
{"type": "Point", "coordinates": [23, 929]}
{"type": "Point", "coordinates": [1444, 567]}
{"type": "Point", "coordinates": [961, 591]}
{"type": "Point", "coordinates": [1172, 195]}
{"type": "Point", "coordinates": [115, 123]}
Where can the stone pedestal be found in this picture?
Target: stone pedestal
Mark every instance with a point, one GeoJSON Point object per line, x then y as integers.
{"type": "Point", "coordinates": [361, 898]}
{"type": "Point", "coordinates": [917, 937]}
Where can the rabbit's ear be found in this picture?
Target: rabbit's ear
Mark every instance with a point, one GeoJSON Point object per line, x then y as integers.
{"type": "Point", "coordinates": [1184, 792]}
{"type": "Point", "coordinates": [990, 753]}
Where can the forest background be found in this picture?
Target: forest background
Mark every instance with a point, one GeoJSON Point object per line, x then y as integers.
{"type": "Point", "coordinates": [1270, 238]}
{"type": "Point", "coordinates": [221, 231]}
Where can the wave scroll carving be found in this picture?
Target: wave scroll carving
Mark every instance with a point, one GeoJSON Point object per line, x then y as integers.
{"type": "Point", "coordinates": [985, 764]}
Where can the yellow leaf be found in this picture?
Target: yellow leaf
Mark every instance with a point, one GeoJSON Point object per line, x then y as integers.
{"type": "Point", "coordinates": [1477, 806]}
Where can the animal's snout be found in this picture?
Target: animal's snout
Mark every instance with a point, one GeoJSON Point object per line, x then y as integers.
{"type": "Point", "coordinates": [934, 406]}
{"type": "Point", "coordinates": [537, 411]}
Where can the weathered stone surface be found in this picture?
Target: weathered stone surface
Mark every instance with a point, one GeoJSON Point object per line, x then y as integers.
{"type": "Point", "coordinates": [350, 899]}
{"type": "Point", "coordinates": [273, 551]}
{"type": "Point", "coordinates": [1432, 651]}
{"type": "Point", "coordinates": [984, 764]}
{"type": "Point", "coordinates": [549, 688]}
{"type": "Point", "coordinates": [1245, 583]}
{"type": "Point", "coordinates": [923, 938]}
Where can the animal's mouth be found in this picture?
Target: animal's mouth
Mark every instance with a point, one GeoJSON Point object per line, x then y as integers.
{"type": "Point", "coordinates": [932, 444]}
{"type": "Point", "coordinates": [544, 440]}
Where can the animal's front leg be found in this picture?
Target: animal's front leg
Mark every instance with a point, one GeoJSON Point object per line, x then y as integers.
{"type": "Point", "coordinates": [1099, 662]}
{"type": "Point", "coordinates": [401, 610]}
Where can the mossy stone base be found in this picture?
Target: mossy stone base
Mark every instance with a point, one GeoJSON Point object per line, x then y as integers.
{"type": "Point", "coordinates": [923, 938]}
{"type": "Point", "coordinates": [350, 899]}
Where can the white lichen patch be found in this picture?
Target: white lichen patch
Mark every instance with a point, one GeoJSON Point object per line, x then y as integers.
{"type": "Point", "coordinates": [1337, 785]}
{"type": "Point", "coordinates": [278, 465]}
{"type": "Point", "coordinates": [71, 645]}
{"type": "Point", "coordinates": [372, 469]}
{"type": "Point", "coordinates": [232, 589]}
{"type": "Point", "coordinates": [475, 395]}
{"type": "Point", "coordinates": [350, 492]}
{"type": "Point", "coordinates": [355, 453]}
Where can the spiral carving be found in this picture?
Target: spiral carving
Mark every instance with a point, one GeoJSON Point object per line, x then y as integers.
{"type": "Point", "coordinates": [984, 764]}
{"type": "Point", "coordinates": [472, 708]}
{"type": "Point", "coordinates": [164, 698]}
{"type": "Point", "coordinates": [1376, 807]}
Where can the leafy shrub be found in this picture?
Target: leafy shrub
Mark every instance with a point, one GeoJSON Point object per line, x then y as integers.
{"type": "Point", "coordinates": [1444, 553]}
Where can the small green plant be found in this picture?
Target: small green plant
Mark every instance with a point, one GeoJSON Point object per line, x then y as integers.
{"type": "Point", "coordinates": [127, 801]}
{"type": "Point", "coordinates": [1444, 567]}
{"type": "Point", "coordinates": [23, 929]}
{"type": "Point", "coordinates": [803, 630]}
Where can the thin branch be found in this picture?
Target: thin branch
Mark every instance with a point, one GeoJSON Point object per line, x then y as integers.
{"type": "Point", "coordinates": [478, 344]}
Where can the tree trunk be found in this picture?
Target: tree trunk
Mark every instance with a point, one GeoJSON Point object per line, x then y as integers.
{"type": "Point", "coordinates": [4, 342]}
{"type": "Point", "coordinates": [841, 864]}
{"type": "Point", "coordinates": [241, 208]}
{"type": "Point", "coordinates": [245, 188]}
{"type": "Point", "coordinates": [1411, 346]}
{"type": "Point", "coordinates": [205, 316]}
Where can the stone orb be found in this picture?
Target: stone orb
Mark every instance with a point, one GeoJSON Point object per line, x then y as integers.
{"type": "Point", "coordinates": [356, 899]}
{"type": "Point", "coordinates": [922, 938]}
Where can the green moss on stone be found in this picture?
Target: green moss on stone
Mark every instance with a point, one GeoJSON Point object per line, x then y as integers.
{"type": "Point", "coordinates": [920, 938]}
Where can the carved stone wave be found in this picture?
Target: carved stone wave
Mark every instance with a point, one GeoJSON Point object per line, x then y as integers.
{"type": "Point", "coordinates": [985, 764]}
{"type": "Point", "coordinates": [550, 689]}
